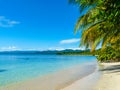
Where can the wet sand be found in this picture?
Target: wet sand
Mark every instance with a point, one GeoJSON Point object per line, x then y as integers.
{"type": "Point", "coordinates": [86, 83]}
{"type": "Point", "coordinates": [55, 81]}
{"type": "Point", "coordinates": [109, 79]}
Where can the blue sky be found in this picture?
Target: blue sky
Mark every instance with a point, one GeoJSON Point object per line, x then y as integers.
{"type": "Point", "coordinates": [38, 24]}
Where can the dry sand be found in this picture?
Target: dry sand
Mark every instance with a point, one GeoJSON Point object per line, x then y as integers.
{"type": "Point", "coordinates": [86, 83]}
{"type": "Point", "coordinates": [110, 79]}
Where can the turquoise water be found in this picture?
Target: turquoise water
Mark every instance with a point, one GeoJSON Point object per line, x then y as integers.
{"type": "Point", "coordinates": [15, 68]}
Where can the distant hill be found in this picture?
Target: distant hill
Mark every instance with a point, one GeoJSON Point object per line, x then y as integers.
{"type": "Point", "coordinates": [40, 52]}
{"type": "Point", "coordinates": [74, 52]}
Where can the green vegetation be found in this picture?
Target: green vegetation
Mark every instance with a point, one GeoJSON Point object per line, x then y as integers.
{"type": "Point", "coordinates": [86, 52]}
{"type": "Point", "coordinates": [106, 55]}
{"type": "Point", "coordinates": [100, 24]}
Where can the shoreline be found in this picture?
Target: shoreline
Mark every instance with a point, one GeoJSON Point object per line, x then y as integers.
{"type": "Point", "coordinates": [109, 79]}
{"type": "Point", "coordinates": [106, 78]}
{"type": "Point", "coordinates": [85, 83]}
{"type": "Point", "coordinates": [54, 81]}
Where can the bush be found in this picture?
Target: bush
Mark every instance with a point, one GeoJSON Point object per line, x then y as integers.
{"type": "Point", "coordinates": [108, 55]}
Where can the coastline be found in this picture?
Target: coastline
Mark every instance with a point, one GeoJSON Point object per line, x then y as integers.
{"type": "Point", "coordinates": [110, 77]}
{"type": "Point", "coordinates": [55, 81]}
{"type": "Point", "coordinates": [86, 83]}
{"type": "Point", "coordinates": [107, 78]}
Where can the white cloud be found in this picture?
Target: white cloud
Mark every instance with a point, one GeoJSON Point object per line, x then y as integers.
{"type": "Point", "coordinates": [61, 48]}
{"type": "Point", "coordinates": [4, 22]}
{"type": "Point", "coordinates": [9, 48]}
{"type": "Point", "coordinates": [56, 48]}
{"type": "Point", "coordinates": [80, 48]}
{"type": "Point", "coordinates": [69, 41]}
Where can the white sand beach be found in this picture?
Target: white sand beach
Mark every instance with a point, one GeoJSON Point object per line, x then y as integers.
{"type": "Point", "coordinates": [86, 83]}
{"type": "Point", "coordinates": [109, 79]}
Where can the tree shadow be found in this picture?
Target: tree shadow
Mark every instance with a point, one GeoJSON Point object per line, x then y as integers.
{"type": "Point", "coordinates": [112, 69]}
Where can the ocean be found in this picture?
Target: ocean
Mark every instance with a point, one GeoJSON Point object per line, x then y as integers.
{"type": "Point", "coordinates": [19, 68]}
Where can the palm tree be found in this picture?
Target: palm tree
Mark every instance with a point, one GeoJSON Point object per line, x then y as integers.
{"type": "Point", "coordinates": [100, 23]}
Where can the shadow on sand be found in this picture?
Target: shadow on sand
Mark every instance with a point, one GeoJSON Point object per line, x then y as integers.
{"type": "Point", "coordinates": [112, 69]}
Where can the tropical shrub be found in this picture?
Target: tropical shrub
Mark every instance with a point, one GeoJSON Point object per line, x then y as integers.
{"type": "Point", "coordinates": [108, 55]}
